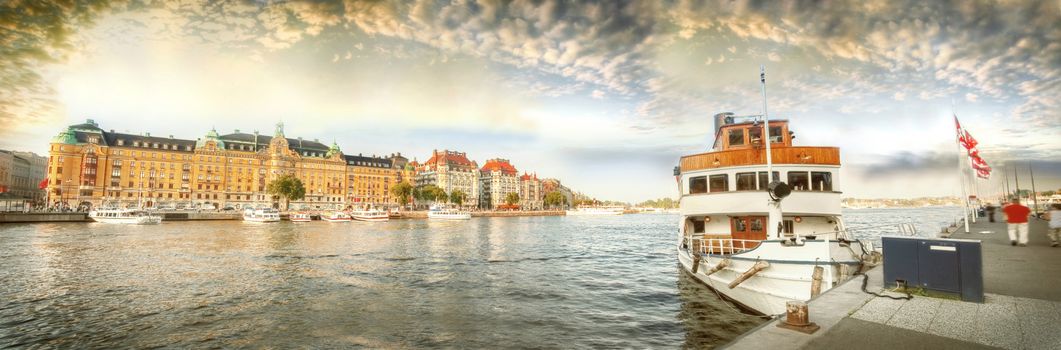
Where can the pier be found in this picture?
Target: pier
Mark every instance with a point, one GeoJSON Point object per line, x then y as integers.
{"type": "Point", "coordinates": [1022, 306]}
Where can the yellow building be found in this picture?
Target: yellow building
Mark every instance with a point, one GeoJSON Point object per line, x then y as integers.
{"type": "Point", "coordinates": [90, 166]}
{"type": "Point", "coordinates": [369, 179]}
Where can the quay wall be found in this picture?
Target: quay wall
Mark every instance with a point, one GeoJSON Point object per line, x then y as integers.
{"type": "Point", "coordinates": [42, 217]}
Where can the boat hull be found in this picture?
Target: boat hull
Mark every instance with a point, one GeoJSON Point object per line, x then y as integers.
{"type": "Point", "coordinates": [787, 279]}
{"type": "Point", "coordinates": [247, 219]}
{"type": "Point", "coordinates": [449, 216]}
{"type": "Point", "coordinates": [130, 221]}
{"type": "Point", "coordinates": [371, 218]}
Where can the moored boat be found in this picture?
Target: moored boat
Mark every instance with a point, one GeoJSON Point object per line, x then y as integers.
{"type": "Point", "coordinates": [444, 213]}
{"type": "Point", "coordinates": [596, 210]}
{"type": "Point", "coordinates": [733, 235]}
{"type": "Point", "coordinates": [335, 216]}
{"type": "Point", "coordinates": [374, 215]}
{"type": "Point", "coordinates": [124, 216]}
{"type": "Point", "coordinates": [261, 215]}
{"type": "Point", "coordinates": [300, 217]}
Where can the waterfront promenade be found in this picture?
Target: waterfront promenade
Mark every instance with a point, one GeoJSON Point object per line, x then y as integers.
{"type": "Point", "coordinates": [1022, 307]}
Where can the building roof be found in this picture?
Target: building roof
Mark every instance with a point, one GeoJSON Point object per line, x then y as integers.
{"type": "Point", "coordinates": [526, 177]}
{"type": "Point", "coordinates": [375, 162]}
{"type": "Point", "coordinates": [498, 164]}
{"type": "Point", "coordinates": [260, 142]}
{"type": "Point", "coordinates": [450, 158]}
{"type": "Point", "coordinates": [129, 140]}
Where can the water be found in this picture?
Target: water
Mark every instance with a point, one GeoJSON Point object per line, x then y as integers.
{"type": "Point", "coordinates": [534, 282]}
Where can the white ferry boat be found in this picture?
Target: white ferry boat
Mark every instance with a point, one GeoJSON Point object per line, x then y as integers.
{"type": "Point", "coordinates": [596, 210]}
{"type": "Point", "coordinates": [374, 215]}
{"type": "Point", "coordinates": [335, 216]}
{"type": "Point", "coordinates": [763, 242]}
{"type": "Point", "coordinates": [261, 215]}
{"type": "Point", "coordinates": [443, 213]}
{"type": "Point", "coordinates": [300, 217]}
{"type": "Point", "coordinates": [124, 216]}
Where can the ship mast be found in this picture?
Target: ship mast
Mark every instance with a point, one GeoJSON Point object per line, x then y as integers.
{"type": "Point", "coordinates": [773, 220]}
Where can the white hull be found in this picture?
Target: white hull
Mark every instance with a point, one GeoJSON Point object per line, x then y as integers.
{"type": "Point", "coordinates": [372, 218]}
{"type": "Point", "coordinates": [788, 278]}
{"type": "Point", "coordinates": [464, 216]}
{"type": "Point", "coordinates": [260, 219]}
{"type": "Point", "coordinates": [143, 220]}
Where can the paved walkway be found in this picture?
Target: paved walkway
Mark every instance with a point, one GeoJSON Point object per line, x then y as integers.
{"type": "Point", "coordinates": [1022, 308]}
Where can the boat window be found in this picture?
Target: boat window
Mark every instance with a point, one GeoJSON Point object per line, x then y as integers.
{"type": "Point", "coordinates": [763, 183]}
{"type": "Point", "coordinates": [719, 183]}
{"type": "Point", "coordinates": [755, 134]}
{"type": "Point", "coordinates": [798, 180]}
{"type": "Point", "coordinates": [739, 225]}
{"type": "Point", "coordinates": [775, 134]}
{"type": "Point", "coordinates": [786, 226]}
{"type": "Point", "coordinates": [698, 185]}
{"type": "Point", "coordinates": [736, 137]}
{"type": "Point", "coordinates": [821, 181]}
{"type": "Point", "coordinates": [757, 224]}
{"type": "Point", "coordinates": [698, 225]}
{"type": "Point", "coordinates": [745, 181]}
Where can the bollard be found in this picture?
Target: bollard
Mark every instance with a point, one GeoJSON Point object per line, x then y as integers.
{"type": "Point", "coordinates": [797, 318]}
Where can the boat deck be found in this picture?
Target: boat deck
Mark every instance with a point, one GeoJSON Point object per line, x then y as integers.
{"type": "Point", "coordinates": [1022, 307]}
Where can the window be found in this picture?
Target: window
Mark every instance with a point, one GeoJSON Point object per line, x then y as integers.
{"type": "Point", "coordinates": [719, 183]}
{"type": "Point", "coordinates": [775, 134]}
{"type": "Point", "coordinates": [763, 183]}
{"type": "Point", "coordinates": [798, 180]}
{"type": "Point", "coordinates": [736, 137]}
{"type": "Point", "coordinates": [746, 181]}
{"type": "Point", "coordinates": [787, 227]}
{"type": "Point", "coordinates": [757, 224]}
{"type": "Point", "coordinates": [698, 225]}
{"type": "Point", "coordinates": [116, 172]}
{"type": "Point", "coordinates": [821, 181]}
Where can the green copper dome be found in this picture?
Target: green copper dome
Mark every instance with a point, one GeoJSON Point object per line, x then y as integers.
{"type": "Point", "coordinates": [333, 150]}
{"type": "Point", "coordinates": [66, 136]}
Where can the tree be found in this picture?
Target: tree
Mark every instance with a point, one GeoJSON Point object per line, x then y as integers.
{"type": "Point", "coordinates": [512, 198]}
{"type": "Point", "coordinates": [555, 199]}
{"type": "Point", "coordinates": [287, 187]}
{"type": "Point", "coordinates": [1048, 193]}
{"type": "Point", "coordinates": [403, 190]}
{"type": "Point", "coordinates": [441, 195]}
{"type": "Point", "coordinates": [457, 197]}
{"type": "Point", "coordinates": [428, 193]}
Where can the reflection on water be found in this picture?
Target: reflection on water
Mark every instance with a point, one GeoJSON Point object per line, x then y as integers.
{"type": "Point", "coordinates": [485, 283]}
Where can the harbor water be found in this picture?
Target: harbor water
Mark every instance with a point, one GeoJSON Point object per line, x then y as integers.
{"type": "Point", "coordinates": [541, 282]}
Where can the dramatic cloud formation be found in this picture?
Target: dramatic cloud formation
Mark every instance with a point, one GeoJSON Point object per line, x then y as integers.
{"type": "Point", "coordinates": [557, 85]}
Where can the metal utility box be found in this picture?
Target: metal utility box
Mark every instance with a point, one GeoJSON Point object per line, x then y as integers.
{"type": "Point", "coordinates": [951, 266]}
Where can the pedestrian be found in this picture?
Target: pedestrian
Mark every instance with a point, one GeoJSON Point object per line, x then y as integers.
{"type": "Point", "coordinates": [1054, 232]}
{"type": "Point", "coordinates": [1017, 222]}
{"type": "Point", "coordinates": [990, 212]}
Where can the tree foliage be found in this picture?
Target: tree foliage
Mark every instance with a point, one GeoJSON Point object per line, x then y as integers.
{"type": "Point", "coordinates": [457, 197]}
{"type": "Point", "coordinates": [287, 187]}
{"type": "Point", "coordinates": [662, 203]}
{"type": "Point", "coordinates": [403, 191]}
{"type": "Point", "coordinates": [512, 198]}
{"type": "Point", "coordinates": [555, 199]}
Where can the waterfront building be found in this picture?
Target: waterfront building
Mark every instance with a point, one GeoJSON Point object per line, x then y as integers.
{"type": "Point", "coordinates": [497, 179]}
{"type": "Point", "coordinates": [450, 170]}
{"type": "Point", "coordinates": [554, 185]}
{"type": "Point", "coordinates": [90, 166]}
{"type": "Point", "coordinates": [21, 174]}
{"type": "Point", "coordinates": [370, 178]}
{"type": "Point", "coordinates": [531, 195]}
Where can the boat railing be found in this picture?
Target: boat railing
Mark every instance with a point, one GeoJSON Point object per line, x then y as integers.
{"type": "Point", "coordinates": [721, 245]}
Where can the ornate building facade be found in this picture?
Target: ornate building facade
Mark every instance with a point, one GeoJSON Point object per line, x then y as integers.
{"type": "Point", "coordinates": [450, 171]}
{"type": "Point", "coordinates": [88, 165]}
{"type": "Point", "coordinates": [531, 195]}
{"type": "Point", "coordinates": [497, 179]}
{"type": "Point", "coordinates": [370, 179]}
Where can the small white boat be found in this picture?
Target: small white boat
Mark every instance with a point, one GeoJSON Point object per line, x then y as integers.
{"type": "Point", "coordinates": [595, 210]}
{"type": "Point", "coordinates": [448, 214]}
{"type": "Point", "coordinates": [261, 215]}
{"type": "Point", "coordinates": [125, 216]}
{"type": "Point", "coordinates": [370, 215]}
{"type": "Point", "coordinates": [300, 217]}
{"type": "Point", "coordinates": [335, 216]}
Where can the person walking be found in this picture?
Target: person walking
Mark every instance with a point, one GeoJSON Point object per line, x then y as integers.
{"type": "Point", "coordinates": [1017, 222]}
{"type": "Point", "coordinates": [1054, 232]}
{"type": "Point", "coordinates": [990, 212]}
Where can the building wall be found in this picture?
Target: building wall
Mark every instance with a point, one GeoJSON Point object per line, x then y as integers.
{"type": "Point", "coordinates": [496, 186]}
{"type": "Point", "coordinates": [6, 168]}
{"type": "Point", "coordinates": [530, 194]}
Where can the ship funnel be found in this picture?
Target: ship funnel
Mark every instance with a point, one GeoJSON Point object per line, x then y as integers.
{"type": "Point", "coordinates": [722, 119]}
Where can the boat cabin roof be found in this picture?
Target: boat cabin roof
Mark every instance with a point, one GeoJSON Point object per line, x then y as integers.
{"type": "Point", "coordinates": [746, 135]}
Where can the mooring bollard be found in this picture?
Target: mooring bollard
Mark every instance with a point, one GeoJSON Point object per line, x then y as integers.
{"type": "Point", "coordinates": [797, 318]}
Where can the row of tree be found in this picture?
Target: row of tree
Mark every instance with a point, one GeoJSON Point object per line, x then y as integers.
{"type": "Point", "coordinates": [662, 203]}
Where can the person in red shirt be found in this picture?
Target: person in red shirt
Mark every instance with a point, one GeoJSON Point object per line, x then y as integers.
{"type": "Point", "coordinates": [1017, 222]}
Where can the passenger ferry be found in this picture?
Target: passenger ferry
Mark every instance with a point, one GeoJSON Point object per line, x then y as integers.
{"type": "Point", "coordinates": [763, 240]}
{"type": "Point", "coordinates": [335, 216]}
{"type": "Point", "coordinates": [300, 217]}
{"type": "Point", "coordinates": [444, 213]}
{"type": "Point", "coordinates": [125, 216]}
{"type": "Point", "coordinates": [596, 210]}
{"type": "Point", "coordinates": [374, 215]}
{"type": "Point", "coordinates": [261, 215]}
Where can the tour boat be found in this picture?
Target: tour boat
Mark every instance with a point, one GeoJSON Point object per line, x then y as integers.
{"type": "Point", "coordinates": [443, 213]}
{"type": "Point", "coordinates": [596, 210]}
{"type": "Point", "coordinates": [261, 215]}
{"type": "Point", "coordinates": [370, 215]}
{"type": "Point", "coordinates": [335, 216]}
{"type": "Point", "coordinates": [300, 217]}
{"type": "Point", "coordinates": [394, 214]}
{"type": "Point", "coordinates": [124, 216]}
{"type": "Point", "coordinates": [760, 242]}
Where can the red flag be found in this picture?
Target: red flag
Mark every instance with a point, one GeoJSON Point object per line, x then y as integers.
{"type": "Point", "coordinates": [43, 184]}
{"type": "Point", "coordinates": [969, 142]}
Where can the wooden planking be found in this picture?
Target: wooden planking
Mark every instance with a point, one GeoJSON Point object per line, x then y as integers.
{"type": "Point", "coordinates": [780, 155]}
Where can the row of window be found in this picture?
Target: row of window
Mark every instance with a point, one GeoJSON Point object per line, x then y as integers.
{"type": "Point", "coordinates": [737, 136]}
{"type": "Point", "coordinates": [821, 181]}
{"type": "Point", "coordinates": [740, 225]}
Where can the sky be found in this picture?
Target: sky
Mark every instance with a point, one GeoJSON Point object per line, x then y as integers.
{"type": "Point", "coordinates": [604, 95]}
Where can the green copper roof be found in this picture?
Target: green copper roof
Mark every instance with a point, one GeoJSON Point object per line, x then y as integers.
{"type": "Point", "coordinates": [66, 136]}
{"type": "Point", "coordinates": [333, 150]}
{"type": "Point", "coordinates": [211, 135]}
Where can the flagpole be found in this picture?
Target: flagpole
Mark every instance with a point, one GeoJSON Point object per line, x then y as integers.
{"type": "Point", "coordinates": [961, 177]}
{"type": "Point", "coordinates": [1035, 198]}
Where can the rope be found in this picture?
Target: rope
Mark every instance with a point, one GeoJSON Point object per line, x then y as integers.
{"type": "Point", "coordinates": [865, 281]}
